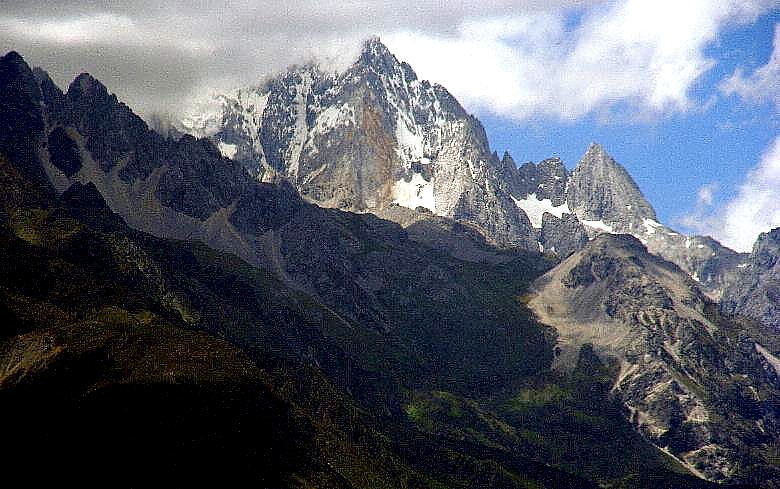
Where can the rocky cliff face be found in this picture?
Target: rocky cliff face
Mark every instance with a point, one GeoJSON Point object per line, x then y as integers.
{"type": "Point", "coordinates": [697, 387]}
{"type": "Point", "coordinates": [755, 292]}
{"type": "Point", "coordinates": [376, 136]}
{"type": "Point", "coordinates": [602, 190]}
{"type": "Point", "coordinates": [547, 180]}
{"type": "Point", "coordinates": [603, 198]}
{"type": "Point", "coordinates": [366, 139]}
{"type": "Point", "coordinates": [562, 236]}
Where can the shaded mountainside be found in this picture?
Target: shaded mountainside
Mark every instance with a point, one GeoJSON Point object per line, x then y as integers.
{"type": "Point", "coordinates": [756, 291]}
{"type": "Point", "coordinates": [695, 384]}
{"type": "Point", "coordinates": [122, 350]}
{"type": "Point", "coordinates": [341, 351]}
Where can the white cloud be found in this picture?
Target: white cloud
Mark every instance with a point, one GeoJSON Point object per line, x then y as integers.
{"type": "Point", "coordinates": [517, 58]}
{"type": "Point", "coordinates": [646, 55]}
{"type": "Point", "coordinates": [761, 85]}
{"type": "Point", "coordinates": [96, 29]}
{"type": "Point", "coordinates": [84, 29]}
{"type": "Point", "coordinates": [754, 210]}
{"type": "Point", "coordinates": [706, 194]}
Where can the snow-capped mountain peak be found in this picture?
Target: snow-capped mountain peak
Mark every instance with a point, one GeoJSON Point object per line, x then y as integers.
{"type": "Point", "coordinates": [365, 139]}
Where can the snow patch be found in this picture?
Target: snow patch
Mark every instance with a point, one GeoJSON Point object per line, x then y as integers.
{"type": "Point", "coordinates": [650, 225]}
{"type": "Point", "coordinates": [204, 119]}
{"type": "Point", "coordinates": [300, 129]}
{"type": "Point", "coordinates": [253, 104]}
{"type": "Point", "coordinates": [227, 150]}
{"type": "Point", "coordinates": [410, 143]}
{"type": "Point", "coordinates": [599, 225]}
{"type": "Point", "coordinates": [336, 117]}
{"type": "Point", "coordinates": [417, 192]}
{"type": "Point", "coordinates": [535, 208]}
{"type": "Point", "coordinates": [773, 360]}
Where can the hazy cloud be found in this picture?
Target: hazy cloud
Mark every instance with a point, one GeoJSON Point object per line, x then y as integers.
{"type": "Point", "coordinates": [755, 208]}
{"type": "Point", "coordinates": [154, 54]}
{"type": "Point", "coordinates": [517, 58]}
{"type": "Point", "coordinates": [706, 194]}
{"type": "Point", "coordinates": [763, 84]}
{"type": "Point", "coordinates": [644, 55]}
{"type": "Point", "coordinates": [702, 219]}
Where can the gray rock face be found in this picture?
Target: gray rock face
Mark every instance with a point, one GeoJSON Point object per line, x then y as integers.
{"type": "Point", "coordinates": [562, 236]}
{"type": "Point", "coordinates": [372, 136]}
{"type": "Point", "coordinates": [602, 190]}
{"type": "Point", "coordinates": [376, 136]}
{"type": "Point", "coordinates": [676, 363]}
{"type": "Point", "coordinates": [708, 262]}
{"type": "Point", "coordinates": [606, 199]}
{"type": "Point", "coordinates": [547, 180]}
{"type": "Point", "coordinates": [755, 293]}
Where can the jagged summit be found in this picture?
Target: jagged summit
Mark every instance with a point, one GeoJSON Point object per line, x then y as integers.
{"type": "Point", "coordinates": [373, 48]}
{"type": "Point", "coordinates": [369, 138]}
{"type": "Point", "coordinates": [595, 148]}
{"type": "Point", "coordinates": [85, 84]}
{"type": "Point", "coordinates": [376, 56]}
{"type": "Point", "coordinates": [13, 67]}
{"type": "Point", "coordinates": [12, 57]}
{"type": "Point", "coordinates": [600, 189]}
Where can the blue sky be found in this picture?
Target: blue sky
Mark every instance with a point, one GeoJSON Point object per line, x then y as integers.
{"type": "Point", "coordinates": [671, 156]}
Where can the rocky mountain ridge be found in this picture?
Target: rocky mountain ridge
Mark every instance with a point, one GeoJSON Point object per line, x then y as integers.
{"type": "Point", "coordinates": [755, 292]}
{"type": "Point", "coordinates": [361, 335]}
{"type": "Point", "coordinates": [698, 387]}
{"type": "Point", "coordinates": [410, 310]}
{"type": "Point", "coordinates": [376, 136]}
{"type": "Point", "coordinates": [366, 139]}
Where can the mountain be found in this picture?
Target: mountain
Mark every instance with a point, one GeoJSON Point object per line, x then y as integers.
{"type": "Point", "coordinates": [311, 364]}
{"type": "Point", "coordinates": [697, 386]}
{"type": "Point", "coordinates": [602, 190]}
{"type": "Point", "coordinates": [369, 138]}
{"type": "Point", "coordinates": [756, 291]}
{"type": "Point", "coordinates": [604, 198]}
{"type": "Point", "coordinates": [356, 351]}
{"type": "Point", "coordinates": [132, 358]}
{"type": "Point", "coordinates": [375, 136]}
